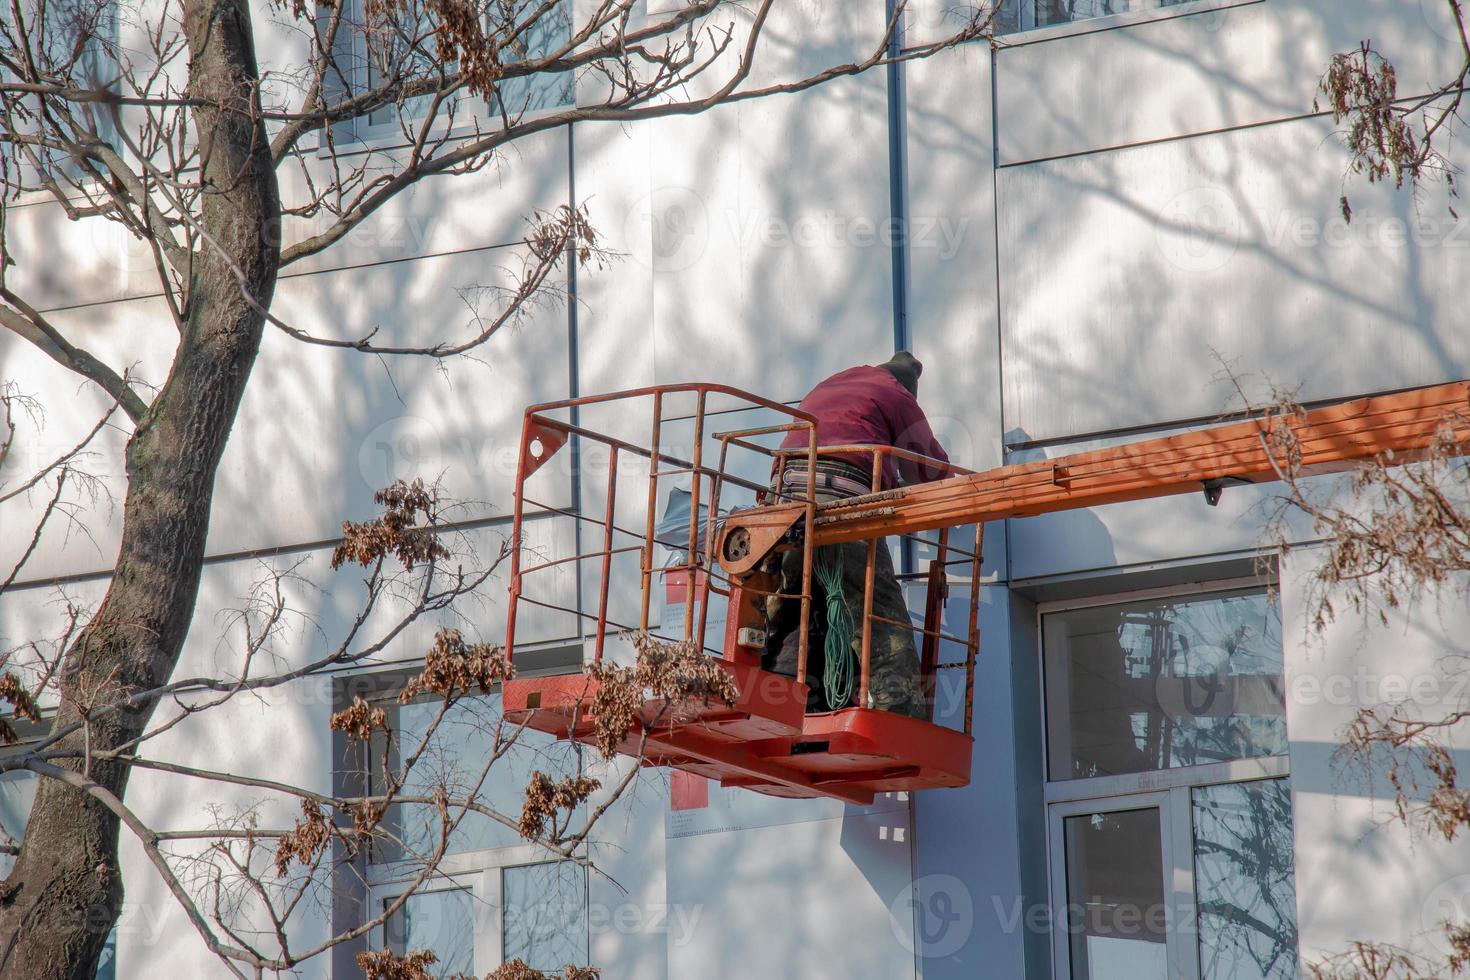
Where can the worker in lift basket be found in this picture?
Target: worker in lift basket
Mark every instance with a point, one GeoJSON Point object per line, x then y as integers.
{"type": "Point", "coordinates": [872, 405]}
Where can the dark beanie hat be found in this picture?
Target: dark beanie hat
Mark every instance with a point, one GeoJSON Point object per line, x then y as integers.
{"type": "Point", "coordinates": [906, 368]}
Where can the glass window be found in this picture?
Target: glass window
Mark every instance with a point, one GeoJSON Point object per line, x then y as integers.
{"type": "Point", "coordinates": [456, 756]}
{"type": "Point", "coordinates": [95, 65]}
{"type": "Point", "coordinates": [403, 39]}
{"type": "Point", "coordinates": [1243, 882]}
{"type": "Point", "coordinates": [1050, 12]}
{"type": "Point", "coordinates": [551, 32]}
{"type": "Point", "coordinates": [1163, 683]}
{"type": "Point", "coordinates": [441, 921]}
{"type": "Point", "coordinates": [1023, 15]}
{"type": "Point", "coordinates": [545, 919]}
{"type": "Point", "coordinates": [1115, 896]}
{"type": "Point", "coordinates": [17, 793]}
{"type": "Point", "coordinates": [1145, 702]}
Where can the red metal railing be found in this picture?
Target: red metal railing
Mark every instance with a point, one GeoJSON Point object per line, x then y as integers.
{"type": "Point", "coordinates": [543, 433]}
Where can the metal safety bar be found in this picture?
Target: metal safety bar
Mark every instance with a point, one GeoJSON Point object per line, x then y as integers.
{"type": "Point", "coordinates": [542, 434]}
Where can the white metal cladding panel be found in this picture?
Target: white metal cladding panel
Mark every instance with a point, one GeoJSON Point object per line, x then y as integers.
{"type": "Point", "coordinates": [771, 269]}
{"type": "Point", "coordinates": [321, 429]}
{"type": "Point", "coordinates": [742, 231]}
{"type": "Point", "coordinates": [952, 274]}
{"type": "Point", "coordinates": [135, 336]}
{"type": "Point", "coordinates": [952, 289]}
{"type": "Point", "coordinates": [1127, 277]}
{"type": "Point", "coordinates": [1360, 875]}
{"type": "Point", "coordinates": [615, 311]}
{"type": "Point", "coordinates": [824, 898]}
{"type": "Point", "coordinates": [61, 263]}
{"type": "Point", "coordinates": [1216, 68]}
{"type": "Point", "coordinates": [491, 207]}
{"type": "Point", "coordinates": [322, 605]}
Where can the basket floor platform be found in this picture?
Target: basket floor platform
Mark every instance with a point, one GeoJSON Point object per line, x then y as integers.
{"type": "Point", "coordinates": [764, 742]}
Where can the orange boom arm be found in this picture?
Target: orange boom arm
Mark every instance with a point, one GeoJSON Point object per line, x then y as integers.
{"type": "Point", "coordinates": [1330, 438]}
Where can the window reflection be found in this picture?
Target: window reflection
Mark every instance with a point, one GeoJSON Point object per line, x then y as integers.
{"type": "Point", "coordinates": [383, 45]}
{"type": "Point", "coordinates": [441, 922]}
{"type": "Point", "coordinates": [456, 757]}
{"type": "Point", "coordinates": [1243, 881]}
{"type": "Point", "coordinates": [546, 915]}
{"type": "Point", "coordinates": [1063, 11]}
{"type": "Point", "coordinates": [1115, 915]}
{"type": "Point", "coordinates": [1161, 684]}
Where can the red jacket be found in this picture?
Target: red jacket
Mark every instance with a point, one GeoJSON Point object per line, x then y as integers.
{"type": "Point", "coordinates": [868, 405]}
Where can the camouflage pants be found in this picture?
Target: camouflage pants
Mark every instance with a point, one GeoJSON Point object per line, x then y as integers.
{"type": "Point", "coordinates": [893, 681]}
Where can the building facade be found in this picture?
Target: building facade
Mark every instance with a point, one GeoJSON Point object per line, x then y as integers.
{"type": "Point", "coordinates": [1083, 231]}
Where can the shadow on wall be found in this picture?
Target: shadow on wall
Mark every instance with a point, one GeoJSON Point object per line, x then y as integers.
{"type": "Point", "coordinates": [815, 896]}
{"type": "Point", "coordinates": [1126, 267]}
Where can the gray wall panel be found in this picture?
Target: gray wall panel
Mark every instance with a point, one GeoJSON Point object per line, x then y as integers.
{"type": "Point", "coordinates": [1129, 277]}
{"type": "Point", "coordinates": [820, 898]}
{"type": "Point", "coordinates": [1360, 875]}
{"type": "Point", "coordinates": [1152, 75]}
{"type": "Point", "coordinates": [771, 267]}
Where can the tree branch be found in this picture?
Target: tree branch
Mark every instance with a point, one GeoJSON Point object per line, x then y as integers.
{"type": "Point", "coordinates": [26, 322]}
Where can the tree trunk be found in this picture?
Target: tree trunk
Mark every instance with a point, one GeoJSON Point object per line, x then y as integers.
{"type": "Point", "coordinates": [65, 892]}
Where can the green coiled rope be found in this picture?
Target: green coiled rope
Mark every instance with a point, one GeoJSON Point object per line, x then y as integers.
{"type": "Point", "coordinates": [839, 674]}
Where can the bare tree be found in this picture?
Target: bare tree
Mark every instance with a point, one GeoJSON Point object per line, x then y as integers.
{"type": "Point", "coordinates": [242, 884]}
{"type": "Point", "coordinates": [1393, 137]}
{"type": "Point", "coordinates": [1394, 534]}
{"type": "Point", "coordinates": [229, 176]}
